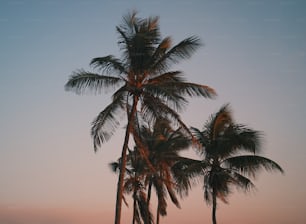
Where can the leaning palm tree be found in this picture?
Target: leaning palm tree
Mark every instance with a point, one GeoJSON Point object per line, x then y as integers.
{"type": "Point", "coordinates": [164, 145]}
{"type": "Point", "coordinates": [224, 165]}
{"type": "Point", "coordinates": [144, 82]}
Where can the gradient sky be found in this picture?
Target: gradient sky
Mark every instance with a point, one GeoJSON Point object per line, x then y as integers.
{"type": "Point", "coordinates": [254, 57]}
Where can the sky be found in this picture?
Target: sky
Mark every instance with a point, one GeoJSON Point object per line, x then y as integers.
{"type": "Point", "coordinates": [253, 55]}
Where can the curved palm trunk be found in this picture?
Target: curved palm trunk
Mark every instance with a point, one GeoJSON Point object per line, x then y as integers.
{"type": "Point", "coordinates": [214, 207]}
{"type": "Point", "coordinates": [123, 162]}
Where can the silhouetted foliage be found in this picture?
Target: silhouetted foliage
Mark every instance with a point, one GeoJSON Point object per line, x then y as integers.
{"type": "Point", "coordinates": [143, 82]}
{"type": "Point", "coordinates": [224, 165]}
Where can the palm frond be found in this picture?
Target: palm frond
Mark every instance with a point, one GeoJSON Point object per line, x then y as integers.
{"type": "Point", "coordinates": [124, 43]}
{"type": "Point", "coordinates": [108, 64]}
{"type": "Point", "coordinates": [218, 122]}
{"type": "Point", "coordinates": [130, 20]}
{"type": "Point", "coordinates": [202, 138]}
{"type": "Point", "coordinates": [161, 196]}
{"type": "Point", "coordinates": [165, 92]}
{"type": "Point", "coordinates": [142, 148]}
{"type": "Point", "coordinates": [144, 208]}
{"type": "Point", "coordinates": [173, 196]}
{"type": "Point", "coordinates": [239, 137]}
{"type": "Point", "coordinates": [207, 195]}
{"type": "Point", "coordinates": [136, 215]}
{"type": "Point", "coordinates": [251, 164]}
{"type": "Point", "coordinates": [106, 122]}
{"type": "Point", "coordinates": [219, 181]}
{"type": "Point", "coordinates": [159, 52]}
{"type": "Point", "coordinates": [130, 184]}
{"type": "Point", "coordinates": [166, 77]}
{"type": "Point", "coordinates": [193, 89]}
{"type": "Point", "coordinates": [187, 169]}
{"type": "Point", "coordinates": [182, 50]}
{"type": "Point", "coordinates": [153, 108]}
{"type": "Point", "coordinates": [114, 166]}
{"type": "Point", "coordinates": [177, 141]}
{"type": "Point", "coordinates": [241, 181]}
{"type": "Point", "coordinates": [150, 30]}
{"type": "Point", "coordinates": [82, 80]}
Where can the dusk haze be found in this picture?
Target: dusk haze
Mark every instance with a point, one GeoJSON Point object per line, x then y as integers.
{"type": "Point", "coordinates": [246, 59]}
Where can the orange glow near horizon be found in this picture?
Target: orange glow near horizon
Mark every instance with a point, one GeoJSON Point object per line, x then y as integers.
{"type": "Point", "coordinates": [253, 55]}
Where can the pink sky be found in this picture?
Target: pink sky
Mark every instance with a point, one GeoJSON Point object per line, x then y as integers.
{"type": "Point", "coordinates": [254, 57]}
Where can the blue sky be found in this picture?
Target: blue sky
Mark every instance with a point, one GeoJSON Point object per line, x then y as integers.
{"type": "Point", "coordinates": [253, 55]}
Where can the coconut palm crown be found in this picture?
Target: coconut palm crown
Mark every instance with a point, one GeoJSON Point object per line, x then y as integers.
{"type": "Point", "coordinates": [230, 158]}
{"type": "Point", "coordinates": [164, 145]}
{"type": "Point", "coordinates": [143, 81]}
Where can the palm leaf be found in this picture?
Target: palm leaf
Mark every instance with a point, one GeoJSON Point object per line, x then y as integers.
{"type": "Point", "coordinates": [207, 191]}
{"type": "Point", "coordinates": [202, 139]}
{"type": "Point", "coordinates": [108, 64]}
{"type": "Point", "coordinates": [82, 80]}
{"type": "Point", "coordinates": [166, 77]}
{"type": "Point", "coordinates": [193, 89]}
{"type": "Point", "coordinates": [172, 195]}
{"type": "Point", "coordinates": [188, 168]}
{"type": "Point", "coordinates": [164, 91]}
{"type": "Point", "coordinates": [250, 164]}
{"type": "Point", "coordinates": [239, 137]}
{"type": "Point", "coordinates": [153, 108]}
{"type": "Point", "coordinates": [161, 196]}
{"type": "Point", "coordinates": [114, 166]}
{"type": "Point", "coordinates": [182, 50]}
{"type": "Point", "coordinates": [241, 181]}
{"type": "Point", "coordinates": [218, 122]}
{"type": "Point", "coordinates": [105, 123]}
{"type": "Point", "coordinates": [144, 209]}
{"type": "Point", "coordinates": [219, 181]}
{"type": "Point", "coordinates": [162, 48]}
{"type": "Point", "coordinates": [124, 43]}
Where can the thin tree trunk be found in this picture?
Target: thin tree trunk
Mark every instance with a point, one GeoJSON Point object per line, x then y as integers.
{"type": "Point", "coordinates": [149, 192]}
{"type": "Point", "coordinates": [134, 209]}
{"type": "Point", "coordinates": [214, 207]}
{"type": "Point", "coordinates": [123, 162]}
{"type": "Point", "coordinates": [157, 214]}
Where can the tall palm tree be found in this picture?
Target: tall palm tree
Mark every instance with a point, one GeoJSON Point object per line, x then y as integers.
{"type": "Point", "coordinates": [144, 80]}
{"type": "Point", "coordinates": [164, 145]}
{"type": "Point", "coordinates": [224, 165]}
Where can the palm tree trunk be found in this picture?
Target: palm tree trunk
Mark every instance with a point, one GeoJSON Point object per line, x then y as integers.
{"type": "Point", "coordinates": [157, 214]}
{"type": "Point", "coordinates": [131, 116]}
{"type": "Point", "coordinates": [214, 207]}
{"type": "Point", "coordinates": [149, 192]}
{"type": "Point", "coordinates": [134, 209]}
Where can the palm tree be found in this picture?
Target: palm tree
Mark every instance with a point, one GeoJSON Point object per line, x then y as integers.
{"type": "Point", "coordinates": [134, 183]}
{"type": "Point", "coordinates": [224, 165]}
{"type": "Point", "coordinates": [144, 81]}
{"type": "Point", "coordinates": [164, 145]}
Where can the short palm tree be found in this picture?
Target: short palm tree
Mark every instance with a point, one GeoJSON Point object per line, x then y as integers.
{"type": "Point", "coordinates": [164, 145]}
{"type": "Point", "coordinates": [134, 183]}
{"type": "Point", "coordinates": [144, 82]}
{"type": "Point", "coordinates": [224, 165]}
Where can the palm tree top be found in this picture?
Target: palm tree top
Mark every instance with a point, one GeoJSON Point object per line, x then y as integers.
{"type": "Point", "coordinates": [142, 72]}
{"type": "Point", "coordinates": [230, 157]}
{"type": "Point", "coordinates": [144, 85]}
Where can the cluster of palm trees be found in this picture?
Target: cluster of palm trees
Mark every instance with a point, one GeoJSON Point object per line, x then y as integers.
{"type": "Point", "coordinates": [163, 144]}
{"type": "Point", "coordinates": [152, 97]}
